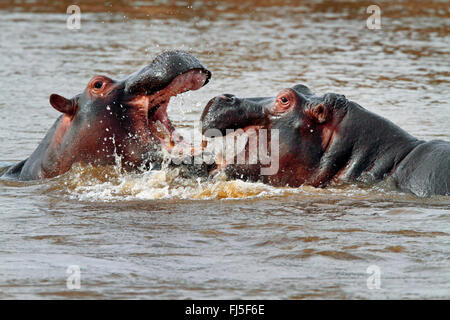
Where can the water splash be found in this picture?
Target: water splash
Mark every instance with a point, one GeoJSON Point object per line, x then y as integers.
{"type": "Point", "coordinates": [112, 184]}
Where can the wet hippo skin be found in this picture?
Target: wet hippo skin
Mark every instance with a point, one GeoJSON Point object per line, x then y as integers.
{"type": "Point", "coordinates": [328, 139]}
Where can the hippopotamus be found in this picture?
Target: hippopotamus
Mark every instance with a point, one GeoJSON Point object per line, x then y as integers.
{"type": "Point", "coordinates": [115, 120]}
{"type": "Point", "coordinates": [328, 139]}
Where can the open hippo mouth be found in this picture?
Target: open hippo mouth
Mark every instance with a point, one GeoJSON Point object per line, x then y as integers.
{"type": "Point", "coordinates": [156, 104]}
{"type": "Point", "coordinates": [170, 74]}
{"type": "Point", "coordinates": [240, 122]}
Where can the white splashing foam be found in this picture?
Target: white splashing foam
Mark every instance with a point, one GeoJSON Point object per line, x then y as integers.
{"type": "Point", "coordinates": [166, 184]}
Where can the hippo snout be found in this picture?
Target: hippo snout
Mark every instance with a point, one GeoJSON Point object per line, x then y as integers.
{"type": "Point", "coordinates": [211, 115]}
{"type": "Point", "coordinates": [230, 112]}
{"type": "Point", "coordinates": [162, 70]}
{"type": "Point", "coordinates": [229, 98]}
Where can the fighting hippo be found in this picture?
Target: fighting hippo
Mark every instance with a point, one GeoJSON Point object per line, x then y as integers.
{"type": "Point", "coordinates": [329, 139]}
{"type": "Point", "coordinates": [115, 119]}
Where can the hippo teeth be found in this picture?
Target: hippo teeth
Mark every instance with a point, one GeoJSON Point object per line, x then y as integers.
{"type": "Point", "coordinates": [156, 104]}
{"type": "Point", "coordinates": [234, 145]}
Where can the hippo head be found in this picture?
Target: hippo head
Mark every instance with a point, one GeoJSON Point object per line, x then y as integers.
{"type": "Point", "coordinates": [118, 118]}
{"type": "Point", "coordinates": [302, 123]}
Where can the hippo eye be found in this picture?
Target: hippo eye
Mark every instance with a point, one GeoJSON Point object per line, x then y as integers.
{"type": "Point", "coordinates": [98, 84]}
{"type": "Point", "coordinates": [284, 100]}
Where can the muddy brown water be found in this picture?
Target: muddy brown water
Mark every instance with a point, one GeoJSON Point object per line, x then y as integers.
{"type": "Point", "coordinates": [155, 235]}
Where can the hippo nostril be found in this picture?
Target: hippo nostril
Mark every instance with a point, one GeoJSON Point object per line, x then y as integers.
{"type": "Point", "coordinates": [228, 98]}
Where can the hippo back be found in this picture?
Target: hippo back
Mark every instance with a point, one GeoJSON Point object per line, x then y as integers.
{"type": "Point", "coordinates": [425, 171]}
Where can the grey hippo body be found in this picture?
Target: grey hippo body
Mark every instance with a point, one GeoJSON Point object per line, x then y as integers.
{"type": "Point", "coordinates": [328, 139]}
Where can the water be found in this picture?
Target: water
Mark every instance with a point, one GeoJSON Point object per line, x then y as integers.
{"type": "Point", "coordinates": [156, 235]}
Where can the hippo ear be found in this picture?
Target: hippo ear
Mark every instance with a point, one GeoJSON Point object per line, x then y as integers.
{"type": "Point", "coordinates": [319, 113]}
{"type": "Point", "coordinates": [62, 104]}
{"type": "Point", "coordinates": [301, 88]}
